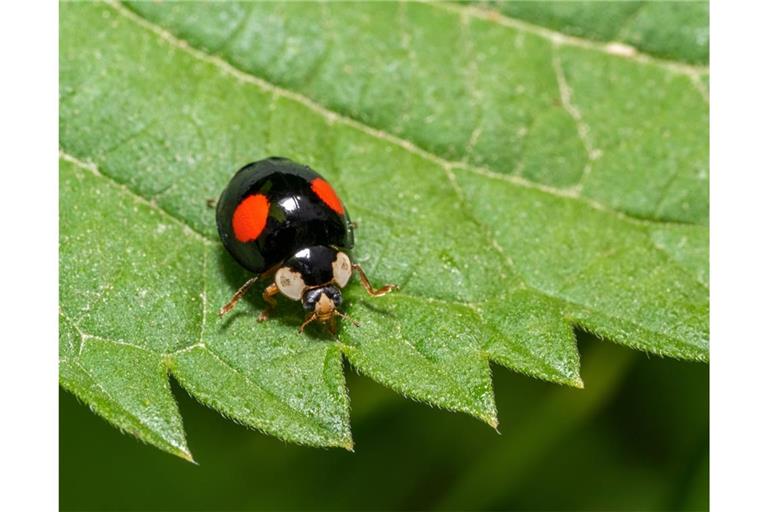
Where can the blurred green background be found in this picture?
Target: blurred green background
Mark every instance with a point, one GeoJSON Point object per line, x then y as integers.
{"type": "Point", "coordinates": [636, 438]}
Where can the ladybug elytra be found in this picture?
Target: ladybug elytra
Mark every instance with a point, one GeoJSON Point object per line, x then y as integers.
{"type": "Point", "coordinates": [282, 220]}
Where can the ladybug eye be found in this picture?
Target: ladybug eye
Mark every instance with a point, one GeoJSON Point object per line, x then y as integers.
{"type": "Point", "coordinates": [342, 269]}
{"type": "Point", "coordinates": [290, 283]}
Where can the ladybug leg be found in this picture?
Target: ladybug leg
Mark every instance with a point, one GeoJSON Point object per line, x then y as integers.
{"type": "Point", "coordinates": [367, 284]}
{"type": "Point", "coordinates": [211, 203]}
{"type": "Point", "coordinates": [269, 292]}
{"type": "Point", "coordinates": [237, 296]}
{"type": "Point", "coordinates": [310, 318]}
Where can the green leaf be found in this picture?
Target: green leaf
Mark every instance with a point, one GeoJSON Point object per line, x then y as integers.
{"type": "Point", "coordinates": [499, 251]}
{"type": "Point", "coordinates": [480, 89]}
{"type": "Point", "coordinates": [672, 30]}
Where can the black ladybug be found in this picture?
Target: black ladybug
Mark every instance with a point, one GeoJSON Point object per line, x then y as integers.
{"type": "Point", "coordinates": [281, 219]}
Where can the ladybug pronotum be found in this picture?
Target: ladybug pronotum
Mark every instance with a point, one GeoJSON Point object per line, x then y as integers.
{"type": "Point", "coordinates": [282, 220]}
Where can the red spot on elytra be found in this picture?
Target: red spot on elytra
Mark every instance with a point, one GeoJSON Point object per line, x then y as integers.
{"type": "Point", "coordinates": [325, 192]}
{"type": "Point", "coordinates": [250, 217]}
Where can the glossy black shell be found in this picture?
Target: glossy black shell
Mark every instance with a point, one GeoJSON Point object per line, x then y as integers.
{"type": "Point", "coordinates": [315, 264]}
{"type": "Point", "coordinates": [297, 217]}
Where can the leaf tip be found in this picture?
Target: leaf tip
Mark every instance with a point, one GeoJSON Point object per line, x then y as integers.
{"type": "Point", "coordinates": [348, 445]}
{"type": "Point", "coordinates": [185, 454]}
{"type": "Point", "coordinates": [492, 421]}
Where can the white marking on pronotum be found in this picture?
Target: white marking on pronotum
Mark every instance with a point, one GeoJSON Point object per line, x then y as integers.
{"type": "Point", "coordinates": [290, 283]}
{"type": "Point", "coordinates": [342, 269]}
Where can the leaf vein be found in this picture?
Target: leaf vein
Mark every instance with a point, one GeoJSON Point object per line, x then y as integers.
{"type": "Point", "coordinates": [627, 52]}
{"type": "Point", "coordinates": [90, 337]}
{"type": "Point", "coordinates": [230, 69]}
{"type": "Point", "coordinates": [582, 129]}
{"type": "Point", "coordinates": [584, 307]}
{"type": "Point", "coordinates": [94, 169]}
{"type": "Point", "coordinates": [276, 398]}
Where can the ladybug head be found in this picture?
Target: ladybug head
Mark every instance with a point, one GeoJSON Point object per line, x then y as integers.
{"type": "Point", "coordinates": [323, 301]}
{"type": "Point", "coordinates": [315, 275]}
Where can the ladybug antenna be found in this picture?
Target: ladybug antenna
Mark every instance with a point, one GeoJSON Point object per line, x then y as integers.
{"type": "Point", "coordinates": [345, 316]}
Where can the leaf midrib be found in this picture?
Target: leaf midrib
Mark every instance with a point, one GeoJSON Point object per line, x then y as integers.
{"type": "Point", "coordinates": [210, 241]}
{"type": "Point", "coordinates": [447, 166]}
{"type": "Point", "coordinates": [229, 68]}
{"type": "Point", "coordinates": [498, 18]}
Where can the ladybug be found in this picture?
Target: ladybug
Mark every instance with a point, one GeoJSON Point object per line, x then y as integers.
{"type": "Point", "coordinates": [282, 220]}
